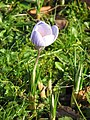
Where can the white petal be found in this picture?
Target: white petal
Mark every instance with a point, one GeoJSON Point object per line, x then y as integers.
{"type": "Point", "coordinates": [48, 40]}
{"type": "Point", "coordinates": [55, 31]}
{"type": "Point", "coordinates": [37, 39]}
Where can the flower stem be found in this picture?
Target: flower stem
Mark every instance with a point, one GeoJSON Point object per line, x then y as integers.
{"type": "Point", "coordinates": [33, 85]}
{"type": "Point", "coordinates": [34, 73]}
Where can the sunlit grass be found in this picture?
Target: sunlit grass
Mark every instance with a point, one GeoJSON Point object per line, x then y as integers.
{"type": "Point", "coordinates": [66, 62]}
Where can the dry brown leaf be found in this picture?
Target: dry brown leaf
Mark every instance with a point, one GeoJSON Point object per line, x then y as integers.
{"type": "Point", "coordinates": [87, 1]}
{"type": "Point", "coordinates": [82, 94]}
{"type": "Point", "coordinates": [42, 88]}
{"type": "Point", "coordinates": [67, 111]}
{"type": "Point", "coordinates": [61, 23]}
{"type": "Point", "coordinates": [42, 10]}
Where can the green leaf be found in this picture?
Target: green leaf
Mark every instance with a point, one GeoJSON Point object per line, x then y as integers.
{"type": "Point", "coordinates": [2, 33]}
{"type": "Point", "coordinates": [59, 66]}
{"type": "Point", "coordinates": [65, 118]}
{"type": "Point", "coordinates": [74, 31]}
{"type": "Point", "coordinates": [88, 96]}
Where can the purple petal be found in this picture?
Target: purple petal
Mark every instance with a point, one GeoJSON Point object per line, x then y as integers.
{"type": "Point", "coordinates": [31, 34]}
{"type": "Point", "coordinates": [48, 40]}
{"type": "Point", "coordinates": [40, 22]}
{"type": "Point", "coordinates": [43, 28]}
{"type": "Point", "coordinates": [37, 39]}
{"type": "Point", "coordinates": [55, 31]}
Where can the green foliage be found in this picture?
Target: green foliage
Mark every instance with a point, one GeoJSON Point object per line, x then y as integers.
{"type": "Point", "coordinates": [64, 59]}
{"type": "Point", "coordinates": [88, 96]}
{"type": "Point", "coordinates": [65, 118]}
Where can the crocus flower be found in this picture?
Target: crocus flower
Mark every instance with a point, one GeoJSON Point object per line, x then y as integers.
{"type": "Point", "coordinates": [43, 34]}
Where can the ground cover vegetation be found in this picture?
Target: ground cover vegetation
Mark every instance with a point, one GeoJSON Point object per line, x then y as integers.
{"type": "Point", "coordinates": [64, 65]}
